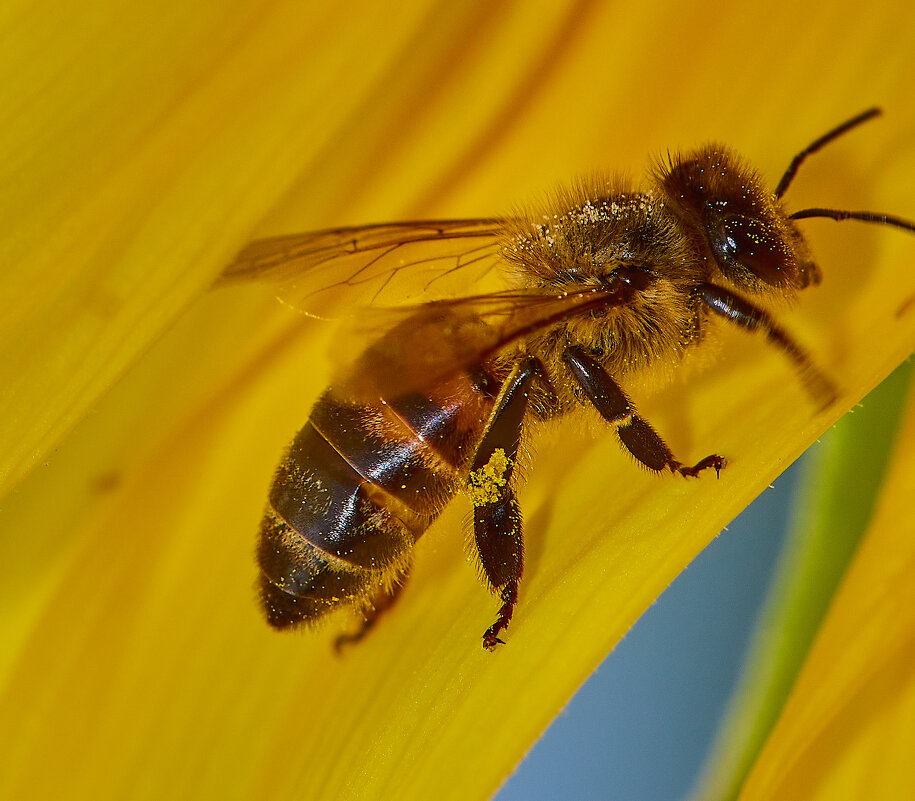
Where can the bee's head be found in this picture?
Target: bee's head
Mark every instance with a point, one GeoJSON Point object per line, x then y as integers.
{"type": "Point", "coordinates": [735, 221]}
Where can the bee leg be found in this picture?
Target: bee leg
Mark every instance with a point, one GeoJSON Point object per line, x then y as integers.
{"type": "Point", "coordinates": [752, 318]}
{"type": "Point", "coordinates": [497, 517]}
{"type": "Point", "coordinates": [382, 601]}
{"type": "Point", "coordinates": [639, 438]}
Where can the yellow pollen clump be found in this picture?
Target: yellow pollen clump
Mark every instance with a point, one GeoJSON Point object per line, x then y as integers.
{"type": "Point", "coordinates": [483, 485]}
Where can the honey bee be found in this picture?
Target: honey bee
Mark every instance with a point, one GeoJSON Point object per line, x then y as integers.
{"type": "Point", "coordinates": [617, 280]}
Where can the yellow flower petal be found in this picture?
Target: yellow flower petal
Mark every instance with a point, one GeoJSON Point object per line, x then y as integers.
{"type": "Point", "coordinates": [837, 494]}
{"type": "Point", "coordinates": [135, 662]}
{"type": "Point", "coordinates": [141, 147]}
{"type": "Point", "coordinates": [848, 729]}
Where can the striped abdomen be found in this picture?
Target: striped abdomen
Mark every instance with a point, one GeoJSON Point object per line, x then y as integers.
{"type": "Point", "coordinates": [359, 485]}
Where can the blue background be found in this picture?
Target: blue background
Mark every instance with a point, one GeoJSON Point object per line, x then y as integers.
{"type": "Point", "coordinates": [640, 727]}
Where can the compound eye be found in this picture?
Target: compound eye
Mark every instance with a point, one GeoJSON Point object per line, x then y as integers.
{"type": "Point", "coordinates": [745, 245]}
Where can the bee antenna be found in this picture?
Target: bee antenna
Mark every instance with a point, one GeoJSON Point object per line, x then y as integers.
{"type": "Point", "coordinates": [816, 145]}
{"type": "Point", "coordinates": [864, 216]}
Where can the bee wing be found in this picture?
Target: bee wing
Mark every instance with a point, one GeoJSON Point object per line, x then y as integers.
{"type": "Point", "coordinates": [321, 272]}
{"type": "Point", "coordinates": [424, 345]}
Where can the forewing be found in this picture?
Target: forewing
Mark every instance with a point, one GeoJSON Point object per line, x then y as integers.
{"type": "Point", "coordinates": [427, 344]}
{"type": "Point", "coordinates": [336, 272]}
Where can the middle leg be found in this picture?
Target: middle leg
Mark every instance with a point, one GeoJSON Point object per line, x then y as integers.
{"type": "Point", "coordinates": [638, 437]}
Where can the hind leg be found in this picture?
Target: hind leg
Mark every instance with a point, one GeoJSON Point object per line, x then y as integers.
{"type": "Point", "coordinates": [497, 523]}
{"type": "Point", "coordinates": [382, 602]}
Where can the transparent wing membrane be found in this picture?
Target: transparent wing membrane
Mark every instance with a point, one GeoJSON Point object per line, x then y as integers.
{"type": "Point", "coordinates": [334, 272]}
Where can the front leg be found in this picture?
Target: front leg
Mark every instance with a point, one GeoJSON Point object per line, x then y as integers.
{"type": "Point", "coordinates": [742, 312]}
{"type": "Point", "coordinates": [639, 438]}
{"type": "Point", "coordinates": [497, 517]}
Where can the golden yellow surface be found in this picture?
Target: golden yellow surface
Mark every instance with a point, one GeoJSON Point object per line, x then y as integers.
{"type": "Point", "coordinates": [141, 415]}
